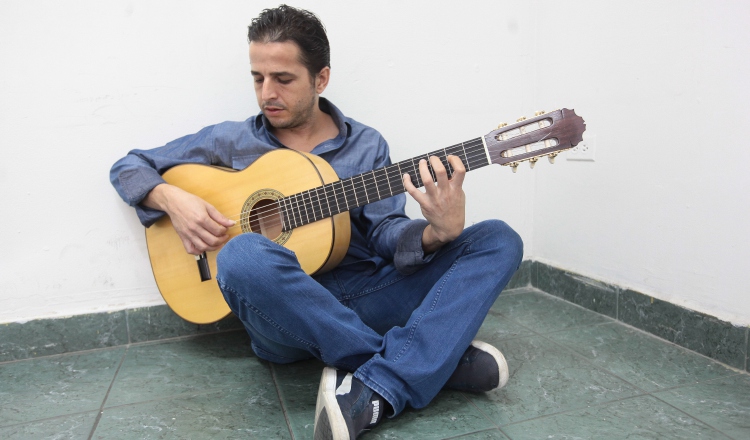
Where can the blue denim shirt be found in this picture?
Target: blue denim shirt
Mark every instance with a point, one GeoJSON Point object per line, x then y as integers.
{"type": "Point", "coordinates": [381, 232]}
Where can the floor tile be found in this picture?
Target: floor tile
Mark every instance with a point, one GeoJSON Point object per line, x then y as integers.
{"type": "Point", "coordinates": [497, 326]}
{"type": "Point", "coordinates": [723, 403]}
{"type": "Point", "coordinates": [253, 411]}
{"type": "Point", "coordinates": [449, 415]}
{"type": "Point", "coordinates": [298, 389]}
{"type": "Point", "coordinates": [158, 370]}
{"type": "Point", "coordinates": [73, 427]}
{"type": "Point", "coordinates": [492, 434]}
{"type": "Point", "coordinates": [58, 385]}
{"type": "Point", "coordinates": [545, 379]}
{"type": "Point", "coordinates": [544, 313]}
{"type": "Point", "coordinates": [638, 418]}
{"type": "Point", "coordinates": [641, 359]}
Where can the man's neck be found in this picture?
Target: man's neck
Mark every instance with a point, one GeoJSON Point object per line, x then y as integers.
{"type": "Point", "coordinates": [306, 137]}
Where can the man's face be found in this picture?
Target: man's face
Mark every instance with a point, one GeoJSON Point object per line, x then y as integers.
{"type": "Point", "coordinates": [286, 93]}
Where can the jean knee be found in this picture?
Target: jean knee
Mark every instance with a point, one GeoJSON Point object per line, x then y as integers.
{"type": "Point", "coordinates": [244, 259]}
{"type": "Point", "coordinates": [497, 236]}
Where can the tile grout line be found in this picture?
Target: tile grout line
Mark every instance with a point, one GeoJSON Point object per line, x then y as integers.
{"type": "Point", "coordinates": [497, 427]}
{"type": "Point", "coordinates": [281, 400]}
{"type": "Point", "coordinates": [644, 393]}
{"type": "Point", "coordinates": [747, 347]}
{"type": "Point", "coordinates": [106, 395]}
{"type": "Point", "coordinates": [126, 346]}
{"type": "Point", "coordinates": [691, 416]}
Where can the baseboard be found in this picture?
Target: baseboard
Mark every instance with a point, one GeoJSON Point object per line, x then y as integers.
{"type": "Point", "coordinates": [687, 328]}
{"type": "Point", "coordinates": [44, 337]}
{"type": "Point", "coordinates": [693, 330]}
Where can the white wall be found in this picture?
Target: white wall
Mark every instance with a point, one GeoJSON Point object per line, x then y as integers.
{"type": "Point", "coordinates": [664, 209]}
{"type": "Point", "coordinates": [82, 82]}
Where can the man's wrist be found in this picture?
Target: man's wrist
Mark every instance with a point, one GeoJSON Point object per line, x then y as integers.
{"type": "Point", "coordinates": [430, 241]}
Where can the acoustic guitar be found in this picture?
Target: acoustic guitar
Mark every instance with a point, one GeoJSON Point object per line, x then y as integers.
{"type": "Point", "coordinates": [297, 200]}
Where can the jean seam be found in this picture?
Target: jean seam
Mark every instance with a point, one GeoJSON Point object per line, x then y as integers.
{"type": "Point", "coordinates": [438, 294]}
{"type": "Point", "coordinates": [266, 318]}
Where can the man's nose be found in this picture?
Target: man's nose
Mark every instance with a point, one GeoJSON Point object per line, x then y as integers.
{"type": "Point", "coordinates": [268, 91]}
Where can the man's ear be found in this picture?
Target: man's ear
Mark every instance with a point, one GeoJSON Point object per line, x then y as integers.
{"type": "Point", "coordinates": [321, 79]}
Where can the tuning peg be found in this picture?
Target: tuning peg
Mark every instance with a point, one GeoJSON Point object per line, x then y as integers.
{"type": "Point", "coordinates": [539, 113]}
{"type": "Point", "coordinates": [514, 166]}
{"type": "Point", "coordinates": [502, 124]}
{"type": "Point", "coordinates": [533, 162]}
{"type": "Point", "coordinates": [552, 157]}
{"type": "Point", "coordinates": [522, 118]}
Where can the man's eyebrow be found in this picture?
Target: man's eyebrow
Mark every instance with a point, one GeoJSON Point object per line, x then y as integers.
{"type": "Point", "coordinates": [275, 74]}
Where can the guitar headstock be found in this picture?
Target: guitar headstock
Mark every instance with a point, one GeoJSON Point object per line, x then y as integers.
{"type": "Point", "coordinates": [546, 134]}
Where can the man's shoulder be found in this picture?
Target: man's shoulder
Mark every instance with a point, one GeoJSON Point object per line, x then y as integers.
{"type": "Point", "coordinates": [236, 127]}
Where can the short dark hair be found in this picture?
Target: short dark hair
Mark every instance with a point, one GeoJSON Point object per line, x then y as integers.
{"type": "Point", "coordinates": [302, 27]}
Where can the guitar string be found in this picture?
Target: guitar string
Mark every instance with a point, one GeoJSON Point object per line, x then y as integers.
{"type": "Point", "coordinates": [274, 210]}
{"type": "Point", "coordinates": [370, 182]}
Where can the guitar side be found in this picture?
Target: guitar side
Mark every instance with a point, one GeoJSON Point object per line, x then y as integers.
{"type": "Point", "coordinates": [319, 246]}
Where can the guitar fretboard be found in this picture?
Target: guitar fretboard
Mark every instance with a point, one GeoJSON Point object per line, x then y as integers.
{"type": "Point", "coordinates": [346, 194]}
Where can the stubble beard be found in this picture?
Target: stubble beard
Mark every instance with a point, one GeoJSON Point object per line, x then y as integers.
{"type": "Point", "coordinates": [301, 114]}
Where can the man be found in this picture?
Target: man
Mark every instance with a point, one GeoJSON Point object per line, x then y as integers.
{"type": "Point", "coordinates": [395, 320]}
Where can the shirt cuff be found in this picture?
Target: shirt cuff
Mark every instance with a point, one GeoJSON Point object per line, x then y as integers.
{"type": "Point", "coordinates": [409, 254]}
{"type": "Point", "coordinates": [136, 185]}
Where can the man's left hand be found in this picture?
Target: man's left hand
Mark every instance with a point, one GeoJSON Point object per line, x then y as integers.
{"type": "Point", "coordinates": [443, 203]}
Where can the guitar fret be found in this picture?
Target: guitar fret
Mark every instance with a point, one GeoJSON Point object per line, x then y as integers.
{"type": "Point", "coordinates": [320, 205]}
{"type": "Point", "coordinates": [328, 202]}
{"type": "Point", "coordinates": [313, 209]}
{"type": "Point", "coordinates": [309, 207]}
{"type": "Point", "coordinates": [388, 179]}
{"type": "Point", "coordinates": [284, 218]}
{"type": "Point", "coordinates": [381, 181]}
{"type": "Point", "coordinates": [375, 180]}
{"type": "Point", "coordinates": [364, 187]}
{"type": "Point", "coordinates": [463, 148]}
{"type": "Point", "coordinates": [300, 207]}
{"type": "Point", "coordinates": [343, 193]}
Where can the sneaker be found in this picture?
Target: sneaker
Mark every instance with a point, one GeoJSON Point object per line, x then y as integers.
{"type": "Point", "coordinates": [482, 368]}
{"type": "Point", "coordinates": [346, 407]}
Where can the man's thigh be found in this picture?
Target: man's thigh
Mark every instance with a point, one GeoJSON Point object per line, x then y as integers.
{"type": "Point", "coordinates": [387, 298]}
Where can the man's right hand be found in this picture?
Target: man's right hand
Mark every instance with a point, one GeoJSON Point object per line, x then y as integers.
{"type": "Point", "coordinates": [201, 227]}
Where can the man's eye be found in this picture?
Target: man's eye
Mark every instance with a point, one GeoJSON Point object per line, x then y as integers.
{"type": "Point", "coordinates": [284, 81]}
{"type": "Point", "coordinates": [258, 80]}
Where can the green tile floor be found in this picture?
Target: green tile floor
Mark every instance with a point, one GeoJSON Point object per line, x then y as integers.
{"type": "Point", "coordinates": [574, 374]}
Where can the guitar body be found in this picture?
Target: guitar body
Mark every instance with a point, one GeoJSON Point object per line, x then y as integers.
{"type": "Point", "coordinates": [319, 245]}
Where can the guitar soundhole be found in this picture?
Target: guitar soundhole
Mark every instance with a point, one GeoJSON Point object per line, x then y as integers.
{"type": "Point", "coordinates": [265, 218]}
{"type": "Point", "coordinates": [261, 215]}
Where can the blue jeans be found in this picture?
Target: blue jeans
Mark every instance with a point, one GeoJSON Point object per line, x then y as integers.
{"type": "Point", "coordinates": [402, 335]}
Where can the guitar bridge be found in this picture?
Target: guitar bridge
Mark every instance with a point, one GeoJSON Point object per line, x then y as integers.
{"type": "Point", "coordinates": [203, 268]}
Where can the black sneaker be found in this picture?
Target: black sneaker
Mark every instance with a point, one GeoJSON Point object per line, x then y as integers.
{"type": "Point", "coordinates": [482, 368]}
{"type": "Point", "coordinates": [346, 407]}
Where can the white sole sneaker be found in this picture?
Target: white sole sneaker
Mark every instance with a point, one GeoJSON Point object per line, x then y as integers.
{"type": "Point", "coordinates": [329, 422]}
{"type": "Point", "coordinates": [502, 364]}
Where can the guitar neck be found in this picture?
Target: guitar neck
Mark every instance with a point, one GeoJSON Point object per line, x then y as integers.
{"type": "Point", "coordinates": [346, 194]}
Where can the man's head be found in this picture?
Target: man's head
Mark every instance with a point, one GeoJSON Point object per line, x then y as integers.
{"type": "Point", "coordinates": [301, 27]}
{"type": "Point", "coordinates": [289, 61]}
